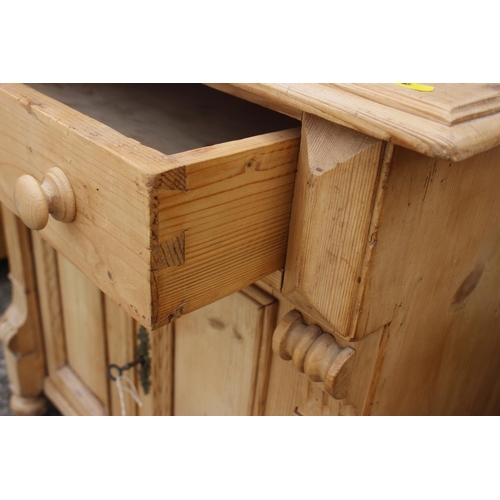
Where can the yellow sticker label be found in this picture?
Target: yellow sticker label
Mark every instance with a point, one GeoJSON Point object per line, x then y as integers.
{"type": "Point", "coordinates": [417, 86]}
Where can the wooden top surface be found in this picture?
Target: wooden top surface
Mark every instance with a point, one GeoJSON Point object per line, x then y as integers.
{"type": "Point", "coordinates": [454, 121]}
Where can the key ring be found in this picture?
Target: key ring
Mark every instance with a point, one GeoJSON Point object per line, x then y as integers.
{"type": "Point", "coordinates": [121, 369]}
{"type": "Point", "coordinates": [114, 367]}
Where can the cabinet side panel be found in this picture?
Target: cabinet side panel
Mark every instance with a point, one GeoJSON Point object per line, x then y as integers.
{"type": "Point", "coordinates": [435, 286]}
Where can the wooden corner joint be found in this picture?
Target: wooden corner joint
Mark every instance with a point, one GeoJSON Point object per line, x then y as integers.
{"type": "Point", "coordinates": [170, 253]}
{"type": "Point", "coordinates": [314, 353]}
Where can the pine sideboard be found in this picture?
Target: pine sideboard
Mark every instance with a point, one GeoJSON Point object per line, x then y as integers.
{"type": "Point", "coordinates": [252, 249]}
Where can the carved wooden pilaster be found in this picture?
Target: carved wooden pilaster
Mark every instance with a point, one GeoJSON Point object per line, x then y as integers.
{"type": "Point", "coordinates": [20, 329]}
{"type": "Point", "coordinates": [314, 353]}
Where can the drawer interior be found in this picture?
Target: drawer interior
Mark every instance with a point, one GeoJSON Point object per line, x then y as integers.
{"type": "Point", "coordinates": [169, 117]}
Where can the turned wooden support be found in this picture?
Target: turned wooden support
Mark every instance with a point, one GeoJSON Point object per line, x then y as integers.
{"type": "Point", "coordinates": [34, 201]}
{"type": "Point", "coordinates": [314, 353]}
{"type": "Point", "coordinates": [28, 407]}
{"type": "Point", "coordinates": [20, 327]}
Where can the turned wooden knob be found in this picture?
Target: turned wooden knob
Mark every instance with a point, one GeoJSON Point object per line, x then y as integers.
{"type": "Point", "coordinates": [314, 353]}
{"type": "Point", "coordinates": [34, 201]}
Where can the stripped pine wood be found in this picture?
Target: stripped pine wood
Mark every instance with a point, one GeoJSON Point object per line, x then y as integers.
{"type": "Point", "coordinates": [274, 280]}
{"type": "Point", "coordinates": [84, 327]}
{"type": "Point", "coordinates": [170, 118]}
{"type": "Point", "coordinates": [147, 222]}
{"type": "Point", "coordinates": [263, 352]}
{"type": "Point", "coordinates": [58, 399]}
{"type": "Point", "coordinates": [448, 103]}
{"type": "Point", "coordinates": [225, 235]}
{"type": "Point", "coordinates": [20, 328]}
{"type": "Point", "coordinates": [56, 292]}
{"type": "Point", "coordinates": [100, 165]}
{"type": "Point", "coordinates": [391, 253]}
{"type": "Point", "coordinates": [3, 248]}
{"type": "Point", "coordinates": [49, 298]}
{"type": "Point", "coordinates": [434, 284]}
{"type": "Point", "coordinates": [289, 392]}
{"type": "Point", "coordinates": [121, 349]}
{"type": "Point", "coordinates": [331, 237]}
{"type": "Point", "coordinates": [73, 393]}
{"type": "Point", "coordinates": [454, 122]}
{"type": "Point", "coordinates": [219, 350]}
{"type": "Point", "coordinates": [314, 353]}
{"type": "Point", "coordinates": [159, 400]}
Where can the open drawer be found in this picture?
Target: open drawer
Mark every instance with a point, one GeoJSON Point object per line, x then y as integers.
{"type": "Point", "coordinates": [183, 194]}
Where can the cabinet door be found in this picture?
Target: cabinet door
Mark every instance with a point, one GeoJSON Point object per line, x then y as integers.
{"type": "Point", "coordinates": [222, 355]}
{"type": "Point", "coordinates": [85, 331]}
{"type": "Point", "coordinates": [72, 312]}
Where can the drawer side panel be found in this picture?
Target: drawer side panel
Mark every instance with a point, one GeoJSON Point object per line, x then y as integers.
{"type": "Point", "coordinates": [225, 226]}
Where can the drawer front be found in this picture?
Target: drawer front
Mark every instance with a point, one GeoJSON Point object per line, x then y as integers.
{"type": "Point", "coordinates": [160, 234]}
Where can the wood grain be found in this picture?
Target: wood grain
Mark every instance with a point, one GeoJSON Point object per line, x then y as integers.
{"type": "Point", "coordinates": [20, 328]}
{"type": "Point", "coordinates": [106, 172]}
{"type": "Point", "coordinates": [159, 400]}
{"type": "Point", "coordinates": [3, 247]}
{"type": "Point", "coordinates": [331, 233]}
{"type": "Point", "coordinates": [448, 103]}
{"type": "Point", "coordinates": [263, 354]}
{"type": "Point", "coordinates": [454, 122]}
{"type": "Point", "coordinates": [234, 214]}
{"type": "Point", "coordinates": [180, 230]}
{"type": "Point", "coordinates": [222, 355]}
{"type": "Point", "coordinates": [71, 395]}
{"type": "Point", "coordinates": [274, 280]}
{"type": "Point", "coordinates": [49, 298]}
{"type": "Point", "coordinates": [34, 200]}
{"type": "Point", "coordinates": [291, 393]}
{"type": "Point", "coordinates": [434, 286]}
{"type": "Point", "coordinates": [82, 308]}
{"type": "Point", "coordinates": [58, 399]}
{"type": "Point", "coordinates": [120, 349]}
{"type": "Point", "coordinates": [314, 353]}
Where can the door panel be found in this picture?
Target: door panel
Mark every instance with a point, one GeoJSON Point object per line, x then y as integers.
{"type": "Point", "coordinates": [83, 317]}
{"type": "Point", "coordinates": [72, 320]}
{"type": "Point", "coordinates": [221, 353]}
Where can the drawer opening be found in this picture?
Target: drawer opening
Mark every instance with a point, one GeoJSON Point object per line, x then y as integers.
{"type": "Point", "coordinates": [170, 118]}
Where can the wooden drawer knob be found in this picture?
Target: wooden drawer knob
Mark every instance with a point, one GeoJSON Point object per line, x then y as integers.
{"type": "Point", "coordinates": [34, 201]}
{"type": "Point", "coordinates": [314, 353]}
